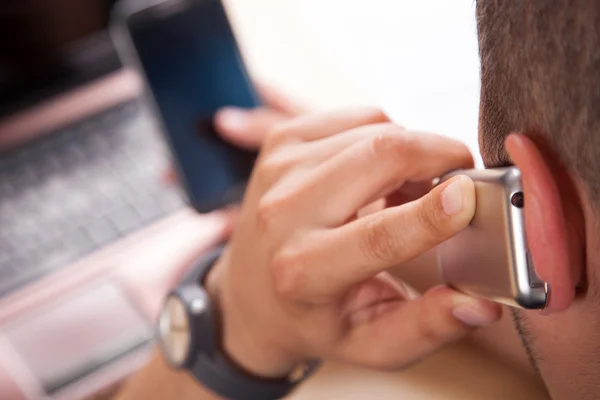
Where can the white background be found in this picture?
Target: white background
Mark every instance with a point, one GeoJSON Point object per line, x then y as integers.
{"type": "Point", "coordinates": [415, 58]}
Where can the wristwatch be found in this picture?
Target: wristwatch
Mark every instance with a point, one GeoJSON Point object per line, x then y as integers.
{"type": "Point", "coordinates": [189, 337]}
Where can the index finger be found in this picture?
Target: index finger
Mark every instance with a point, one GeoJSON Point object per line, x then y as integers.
{"type": "Point", "coordinates": [373, 168]}
{"type": "Point", "coordinates": [336, 259]}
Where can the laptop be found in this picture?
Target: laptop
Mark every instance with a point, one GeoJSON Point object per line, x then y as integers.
{"type": "Point", "coordinates": [82, 190]}
{"type": "Point", "coordinates": [80, 159]}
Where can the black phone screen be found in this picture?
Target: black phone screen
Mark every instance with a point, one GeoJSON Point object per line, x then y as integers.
{"type": "Point", "coordinates": [193, 67]}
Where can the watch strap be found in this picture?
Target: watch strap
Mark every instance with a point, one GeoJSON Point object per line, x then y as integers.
{"type": "Point", "coordinates": [215, 370]}
{"type": "Point", "coordinates": [198, 273]}
{"type": "Point", "coordinates": [221, 376]}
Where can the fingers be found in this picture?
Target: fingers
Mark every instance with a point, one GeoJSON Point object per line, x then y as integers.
{"type": "Point", "coordinates": [404, 332]}
{"type": "Point", "coordinates": [247, 128]}
{"type": "Point", "coordinates": [362, 301]}
{"type": "Point", "coordinates": [318, 126]}
{"type": "Point", "coordinates": [327, 147]}
{"type": "Point", "coordinates": [397, 235]}
{"type": "Point", "coordinates": [332, 261]}
{"type": "Point", "coordinates": [373, 168]}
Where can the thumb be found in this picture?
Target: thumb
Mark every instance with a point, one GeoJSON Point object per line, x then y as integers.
{"type": "Point", "coordinates": [247, 128]}
{"type": "Point", "coordinates": [408, 331]}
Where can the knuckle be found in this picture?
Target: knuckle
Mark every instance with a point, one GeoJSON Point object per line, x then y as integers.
{"type": "Point", "coordinates": [379, 243]}
{"type": "Point", "coordinates": [434, 327]}
{"type": "Point", "coordinates": [265, 175]}
{"type": "Point", "coordinates": [277, 135]}
{"type": "Point", "coordinates": [429, 218]}
{"type": "Point", "coordinates": [393, 141]}
{"type": "Point", "coordinates": [264, 169]}
{"type": "Point", "coordinates": [269, 212]}
{"type": "Point", "coordinates": [428, 332]}
{"type": "Point", "coordinates": [276, 163]}
{"type": "Point", "coordinates": [287, 271]}
{"type": "Point", "coordinates": [375, 115]}
{"type": "Point", "coordinates": [273, 167]}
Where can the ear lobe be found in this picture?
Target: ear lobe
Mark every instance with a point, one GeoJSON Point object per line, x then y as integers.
{"type": "Point", "coordinates": [545, 224]}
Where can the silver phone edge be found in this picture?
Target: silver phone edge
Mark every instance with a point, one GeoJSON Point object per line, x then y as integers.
{"type": "Point", "coordinates": [524, 294]}
{"type": "Point", "coordinates": [527, 295]}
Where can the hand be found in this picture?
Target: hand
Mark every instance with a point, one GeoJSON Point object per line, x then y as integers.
{"type": "Point", "coordinates": [303, 277]}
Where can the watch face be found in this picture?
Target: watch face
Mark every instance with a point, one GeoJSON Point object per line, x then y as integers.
{"type": "Point", "coordinates": [174, 331]}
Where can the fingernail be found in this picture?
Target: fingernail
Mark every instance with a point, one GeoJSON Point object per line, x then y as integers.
{"type": "Point", "coordinates": [452, 198]}
{"type": "Point", "coordinates": [473, 313]}
{"type": "Point", "coordinates": [232, 119]}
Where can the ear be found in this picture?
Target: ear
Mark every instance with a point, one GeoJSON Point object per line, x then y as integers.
{"type": "Point", "coordinates": [545, 224]}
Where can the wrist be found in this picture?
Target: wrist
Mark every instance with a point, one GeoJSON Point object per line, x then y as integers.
{"type": "Point", "coordinates": [224, 354]}
{"type": "Point", "coordinates": [252, 352]}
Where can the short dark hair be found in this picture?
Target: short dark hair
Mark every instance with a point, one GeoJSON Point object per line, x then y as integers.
{"type": "Point", "coordinates": [540, 74]}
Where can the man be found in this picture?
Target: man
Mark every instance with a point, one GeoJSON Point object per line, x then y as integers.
{"type": "Point", "coordinates": [540, 75]}
{"type": "Point", "coordinates": [304, 277]}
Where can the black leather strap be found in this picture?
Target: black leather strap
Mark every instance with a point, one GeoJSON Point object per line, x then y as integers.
{"type": "Point", "coordinates": [199, 271]}
{"type": "Point", "coordinates": [214, 369]}
{"type": "Point", "coordinates": [219, 375]}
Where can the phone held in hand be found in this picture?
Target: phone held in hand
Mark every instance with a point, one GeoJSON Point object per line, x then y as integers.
{"type": "Point", "coordinates": [188, 55]}
{"type": "Point", "coordinates": [490, 258]}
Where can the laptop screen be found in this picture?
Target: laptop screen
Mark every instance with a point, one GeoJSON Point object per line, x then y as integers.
{"type": "Point", "coordinates": [50, 46]}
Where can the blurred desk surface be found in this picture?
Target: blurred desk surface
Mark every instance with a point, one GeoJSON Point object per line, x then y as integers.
{"type": "Point", "coordinates": [311, 49]}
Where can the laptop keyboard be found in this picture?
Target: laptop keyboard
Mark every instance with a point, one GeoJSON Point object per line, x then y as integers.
{"type": "Point", "coordinates": [79, 189]}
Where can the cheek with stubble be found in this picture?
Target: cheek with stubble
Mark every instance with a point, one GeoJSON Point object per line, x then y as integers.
{"type": "Point", "coordinates": [564, 348]}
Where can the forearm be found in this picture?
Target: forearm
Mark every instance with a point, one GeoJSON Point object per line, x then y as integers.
{"type": "Point", "coordinates": [157, 382]}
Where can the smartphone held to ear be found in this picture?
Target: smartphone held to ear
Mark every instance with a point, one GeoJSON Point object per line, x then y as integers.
{"type": "Point", "coordinates": [187, 53]}
{"type": "Point", "coordinates": [490, 258]}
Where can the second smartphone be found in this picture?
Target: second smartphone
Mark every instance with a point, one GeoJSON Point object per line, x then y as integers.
{"type": "Point", "coordinates": [188, 55]}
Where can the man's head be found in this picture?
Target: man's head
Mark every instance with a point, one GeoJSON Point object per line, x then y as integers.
{"type": "Point", "coordinates": [540, 72]}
